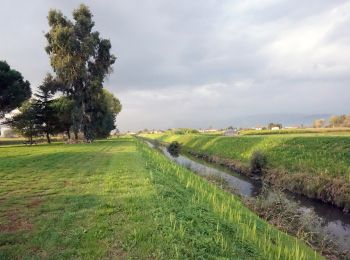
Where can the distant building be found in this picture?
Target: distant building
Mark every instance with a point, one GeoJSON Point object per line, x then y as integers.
{"type": "Point", "coordinates": [275, 128]}
{"type": "Point", "coordinates": [210, 130]}
{"type": "Point", "coordinates": [157, 131]}
{"type": "Point", "coordinates": [231, 132]}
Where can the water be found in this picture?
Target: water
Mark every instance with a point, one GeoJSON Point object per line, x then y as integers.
{"type": "Point", "coordinates": [336, 223]}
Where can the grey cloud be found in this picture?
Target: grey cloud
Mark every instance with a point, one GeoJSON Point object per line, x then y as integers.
{"type": "Point", "coordinates": [189, 63]}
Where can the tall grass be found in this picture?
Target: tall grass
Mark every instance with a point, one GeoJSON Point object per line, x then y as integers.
{"type": "Point", "coordinates": [251, 232]}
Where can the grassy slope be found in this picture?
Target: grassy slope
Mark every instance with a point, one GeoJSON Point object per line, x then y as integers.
{"type": "Point", "coordinates": [320, 155]}
{"type": "Point", "coordinates": [119, 199]}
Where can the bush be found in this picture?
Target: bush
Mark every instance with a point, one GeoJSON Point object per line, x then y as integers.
{"type": "Point", "coordinates": [258, 163]}
{"type": "Point", "coordinates": [174, 148]}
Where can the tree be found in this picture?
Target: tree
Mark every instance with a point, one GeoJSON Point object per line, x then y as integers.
{"type": "Point", "coordinates": [319, 123]}
{"type": "Point", "coordinates": [63, 107]}
{"type": "Point", "coordinates": [346, 122]}
{"type": "Point", "coordinates": [46, 115]}
{"type": "Point", "coordinates": [81, 60]}
{"type": "Point", "coordinates": [272, 125]}
{"type": "Point", "coordinates": [105, 111]}
{"type": "Point", "coordinates": [13, 89]}
{"type": "Point", "coordinates": [337, 121]}
{"type": "Point", "coordinates": [25, 122]}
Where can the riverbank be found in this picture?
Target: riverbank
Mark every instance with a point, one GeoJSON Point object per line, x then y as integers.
{"type": "Point", "coordinates": [120, 199]}
{"type": "Point", "coordinates": [315, 166]}
{"type": "Point", "coordinates": [321, 225]}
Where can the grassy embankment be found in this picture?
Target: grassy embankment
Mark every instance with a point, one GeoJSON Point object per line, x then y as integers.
{"type": "Point", "coordinates": [314, 131]}
{"type": "Point", "coordinates": [120, 199]}
{"type": "Point", "coordinates": [314, 165]}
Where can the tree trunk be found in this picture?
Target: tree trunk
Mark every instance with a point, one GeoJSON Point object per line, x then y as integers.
{"type": "Point", "coordinates": [68, 134]}
{"type": "Point", "coordinates": [76, 135]}
{"type": "Point", "coordinates": [31, 139]}
{"type": "Point", "coordinates": [48, 138]}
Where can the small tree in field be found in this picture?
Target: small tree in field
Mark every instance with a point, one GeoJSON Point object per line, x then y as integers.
{"type": "Point", "coordinates": [46, 115]}
{"type": "Point", "coordinates": [319, 123]}
{"type": "Point", "coordinates": [26, 121]}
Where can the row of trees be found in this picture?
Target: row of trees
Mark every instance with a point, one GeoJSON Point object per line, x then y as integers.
{"type": "Point", "coordinates": [45, 116]}
{"type": "Point", "coordinates": [73, 98]}
{"type": "Point", "coordinates": [334, 121]}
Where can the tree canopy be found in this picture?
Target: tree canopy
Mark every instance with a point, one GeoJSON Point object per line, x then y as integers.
{"type": "Point", "coordinates": [26, 122]}
{"type": "Point", "coordinates": [73, 98]}
{"type": "Point", "coordinates": [46, 115]}
{"type": "Point", "coordinates": [81, 60]}
{"type": "Point", "coordinates": [106, 109]}
{"type": "Point", "coordinates": [13, 89]}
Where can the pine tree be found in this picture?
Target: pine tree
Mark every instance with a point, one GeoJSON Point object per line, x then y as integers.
{"type": "Point", "coordinates": [46, 115]}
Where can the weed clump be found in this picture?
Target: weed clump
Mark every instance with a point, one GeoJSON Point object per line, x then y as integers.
{"type": "Point", "coordinates": [258, 163]}
{"type": "Point", "coordinates": [174, 148]}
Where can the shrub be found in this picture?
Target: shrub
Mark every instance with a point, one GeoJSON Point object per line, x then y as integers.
{"type": "Point", "coordinates": [258, 163]}
{"type": "Point", "coordinates": [174, 148]}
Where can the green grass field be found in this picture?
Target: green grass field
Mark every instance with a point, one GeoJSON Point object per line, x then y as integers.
{"type": "Point", "coordinates": [22, 140]}
{"type": "Point", "coordinates": [314, 154]}
{"type": "Point", "coordinates": [120, 199]}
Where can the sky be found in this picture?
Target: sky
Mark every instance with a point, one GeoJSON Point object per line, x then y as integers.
{"type": "Point", "coordinates": [203, 63]}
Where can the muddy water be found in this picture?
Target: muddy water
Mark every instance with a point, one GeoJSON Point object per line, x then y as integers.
{"type": "Point", "coordinates": [336, 223]}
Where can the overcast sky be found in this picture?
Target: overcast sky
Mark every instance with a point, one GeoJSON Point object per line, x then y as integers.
{"type": "Point", "coordinates": [200, 63]}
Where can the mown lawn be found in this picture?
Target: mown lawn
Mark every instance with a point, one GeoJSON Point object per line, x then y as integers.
{"type": "Point", "coordinates": [314, 154]}
{"type": "Point", "coordinates": [119, 199]}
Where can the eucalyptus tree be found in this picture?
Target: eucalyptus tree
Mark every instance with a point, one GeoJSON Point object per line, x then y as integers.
{"type": "Point", "coordinates": [14, 90]}
{"type": "Point", "coordinates": [81, 60]}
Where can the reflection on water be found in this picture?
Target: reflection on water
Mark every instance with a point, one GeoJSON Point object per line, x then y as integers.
{"type": "Point", "coordinates": [237, 182]}
{"type": "Point", "coordinates": [335, 222]}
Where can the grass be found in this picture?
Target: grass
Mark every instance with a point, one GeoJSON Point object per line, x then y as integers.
{"type": "Point", "coordinates": [120, 199]}
{"type": "Point", "coordinates": [22, 140]}
{"type": "Point", "coordinates": [318, 155]}
{"type": "Point", "coordinates": [317, 166]}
